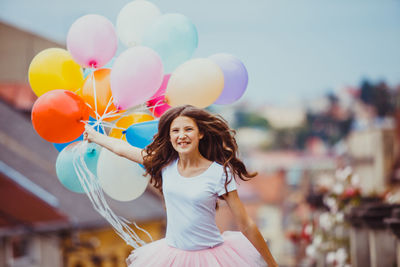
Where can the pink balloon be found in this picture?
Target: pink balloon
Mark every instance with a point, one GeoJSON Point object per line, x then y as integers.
{"type": "Point", "coordinates": [92, 41]}
{"type": "Point", "coordinates": [136, 75]}
{"type": "Point", "coordinates": [157, 104]}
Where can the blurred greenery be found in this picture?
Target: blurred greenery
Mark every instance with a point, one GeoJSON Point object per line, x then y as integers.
{"type": "Point", "coordinates": [250, 119]}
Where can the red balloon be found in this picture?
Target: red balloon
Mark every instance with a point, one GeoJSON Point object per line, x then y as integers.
{"type": "Point", "coordinates": [157, 104]}
{"type": "Point", "coordinates": [58, 115]}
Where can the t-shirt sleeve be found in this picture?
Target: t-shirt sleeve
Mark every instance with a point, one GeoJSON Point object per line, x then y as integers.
{"type": "Point", "coordinates": [221, 184]}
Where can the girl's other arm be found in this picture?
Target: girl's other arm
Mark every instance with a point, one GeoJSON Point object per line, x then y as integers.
{"type": "Point", "coordinates": [248, 227]}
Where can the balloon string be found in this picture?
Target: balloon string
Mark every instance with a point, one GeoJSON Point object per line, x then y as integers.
{"type": "Point", "coordinates": [96, 114]}
{"type": "Point", "coordinates": [111, 114]}
{"type": "Point", "coordinates": [110, 100]}
{"type": "Point", "coordinates": [77, 90]}
{"type": "Point", "coordinates": [96, 196]}
{"type": "Point", "coordinates": [94, 92]}
{"type": "Point", "coordinates": [148, 234]}
{"type": "Point", "coordinates": [112, 126]}
{"type": "Point", "coordinates": [159, 103]}
{"type": "Point", "coordinates": [115, 113]}
{"type": "Point", "coordinates": [156, 97]}
{"type": "Point", "coordinates": [103, 124]}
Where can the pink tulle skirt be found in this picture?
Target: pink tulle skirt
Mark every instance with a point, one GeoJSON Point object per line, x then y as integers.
{"type": "Point", "coordinates": [236, 251]}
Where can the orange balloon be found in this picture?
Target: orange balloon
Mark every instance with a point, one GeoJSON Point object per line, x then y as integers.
{"type": "Point", "coordinates": [127, 121]}
{"type": "Point", "coordinates": [103, 93]}
{"type": "Point", "coordinates": [58, 114]}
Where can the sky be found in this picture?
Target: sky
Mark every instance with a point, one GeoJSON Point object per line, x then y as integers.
{"type": "Point", "coordinates": [293, 50]}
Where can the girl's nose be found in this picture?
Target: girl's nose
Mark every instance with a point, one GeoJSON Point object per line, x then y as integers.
{"type": "Point", "coordinates": [182, 135]}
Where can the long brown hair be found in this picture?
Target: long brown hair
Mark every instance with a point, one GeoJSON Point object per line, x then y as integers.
{"type": "Point", "coordinates": [218, 144]}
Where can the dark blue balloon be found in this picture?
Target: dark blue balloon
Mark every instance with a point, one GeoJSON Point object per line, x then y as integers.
{"type": "Point", "coordinates": [141, 134]}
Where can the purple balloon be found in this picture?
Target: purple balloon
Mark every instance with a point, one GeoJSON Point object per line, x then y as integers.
{"type": "Point", "coordinates": [235, 77]}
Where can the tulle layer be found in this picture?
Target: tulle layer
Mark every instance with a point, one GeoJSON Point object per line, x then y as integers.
{"type": "Point", "coordinates": [236, 251]}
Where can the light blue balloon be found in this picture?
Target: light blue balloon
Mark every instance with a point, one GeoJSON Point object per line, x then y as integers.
{"type": "Point", "coordinates": [174, 38]}
{"type": "Point", "coordinates": [141, 134]}
{"type": "Point", "coordinates": [65, 168]}
{"type": "Point", "coordinates": [110, 63]}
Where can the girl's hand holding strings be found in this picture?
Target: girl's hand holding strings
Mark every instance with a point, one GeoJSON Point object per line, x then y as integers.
{"type": "Point", "coordinates": [89, 134]}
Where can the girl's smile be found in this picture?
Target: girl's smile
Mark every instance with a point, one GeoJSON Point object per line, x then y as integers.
{"type": "Point", "coordinates": [185, 135]}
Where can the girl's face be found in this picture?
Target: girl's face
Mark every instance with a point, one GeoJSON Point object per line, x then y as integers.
{"type": "Point", "coordinates": [185, 135]}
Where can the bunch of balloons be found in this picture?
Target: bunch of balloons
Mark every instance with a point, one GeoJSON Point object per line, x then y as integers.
{"type": "Point", "coordinates": [88, 84]}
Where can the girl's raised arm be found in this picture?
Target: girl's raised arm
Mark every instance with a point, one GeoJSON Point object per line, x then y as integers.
{"type": "Point", "coordinates": [117, 146]}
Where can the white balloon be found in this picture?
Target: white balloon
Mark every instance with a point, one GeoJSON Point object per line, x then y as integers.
{"type": "Point", "coordinates": [134, 19]}
{"type": "Point", "coordinates": [120, 178]}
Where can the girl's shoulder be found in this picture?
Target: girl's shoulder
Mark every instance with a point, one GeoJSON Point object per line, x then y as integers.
{"type": "Point", "coordinates": [220, 167]}
{"type": "Point", "coordinates": [219, 170]}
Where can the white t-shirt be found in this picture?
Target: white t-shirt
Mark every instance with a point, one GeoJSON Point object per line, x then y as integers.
{"type": "Point", "coordinates": [190, 204]}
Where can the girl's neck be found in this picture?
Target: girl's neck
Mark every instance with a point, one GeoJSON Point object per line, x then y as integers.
{"type": "Point", "coordinates": [193, 160]}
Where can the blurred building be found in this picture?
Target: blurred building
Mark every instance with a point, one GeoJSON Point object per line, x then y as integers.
{"type": "Point", "coordinates": [41, 222]}
{"type": "Point", "coordinates": [373, 153]}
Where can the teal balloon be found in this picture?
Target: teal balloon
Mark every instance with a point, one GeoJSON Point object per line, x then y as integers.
{"type": "Point", "coordinates": [87, 72]}
{"type": "Point", "coordinates": [141, 134]}
{"type": "Point", "coordinates": [174, 37]}
{"type": "Point", "coordinates": [65, 168]}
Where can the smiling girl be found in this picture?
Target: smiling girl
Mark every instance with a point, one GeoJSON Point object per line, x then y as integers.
{"type": "Point", "coordinates": [193, 162]}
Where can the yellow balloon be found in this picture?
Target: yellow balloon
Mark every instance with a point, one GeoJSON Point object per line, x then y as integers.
{"type": "Point", "coordinates": [52, 69]}
{"type": "Point", "coordinates": [197, 82]}
{"type": "Point", "coordinates": [127, 121]}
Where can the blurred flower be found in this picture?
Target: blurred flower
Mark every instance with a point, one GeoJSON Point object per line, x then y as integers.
{"type": "Point", "coordinates": [339, 217]}
{"type": "Point", "coordinates": [330, 257]}
{"type": "Point", "coordinates": [326, 221]}
{"type": "Point", "coordinates": [341, 256]}
{"type": "Point", "coordinates": [306, 234]}
{"type": "Point", "coordinates": [343, 174]}
{"type": "Point", "coordinates": [331, 203]}
{"type": "Point", "coordinates": [325, 182]}
{"type": "Point", "coordinates": [311, 251]}
{"type": "Point", "coordinates": [355, 180]}
{"type": "Point", "coordinates": [317, 240]}
{"type": "Point", "coordinates": [350, 192]}
{"type": "Point", "coordinates": [308, 229]}
{"type": "Point", "coordinates": [338, 188]}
